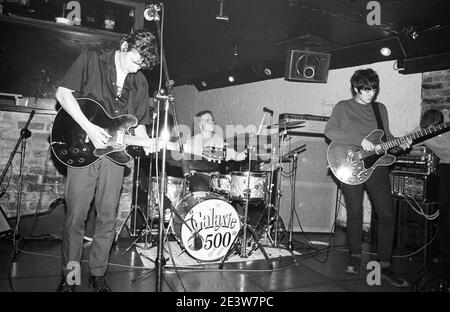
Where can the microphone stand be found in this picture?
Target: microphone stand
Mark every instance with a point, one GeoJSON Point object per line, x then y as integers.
{"type": "Point", "coordinates": [169, 99]}
{"type": "Point", "coordinates": [22, 141]}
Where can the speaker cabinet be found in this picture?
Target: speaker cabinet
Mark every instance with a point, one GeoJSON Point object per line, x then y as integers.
{"type": "Point", "coordinates": [307, 66]}
{"type": "Point", "coordinates": [315, 191]}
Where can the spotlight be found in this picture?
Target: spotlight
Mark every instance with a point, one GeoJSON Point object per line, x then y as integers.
{"type": "Point", "coordinates": [267, 71]}
{"type": "Point", "coordinates": [204, 84]}
{"type": "Point", "coordinates": [231, 79]}
{"type": "Point", "coordinates": [385, 51]}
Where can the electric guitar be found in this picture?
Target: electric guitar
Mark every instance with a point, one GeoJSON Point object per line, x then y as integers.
{"type": "Point", "coordinates": [72, 147]}
{"type": "Point", "coordinates": [353, 165]}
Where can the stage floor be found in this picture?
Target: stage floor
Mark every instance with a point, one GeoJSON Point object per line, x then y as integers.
{"type": "Point", "coordinates": [312, 268]}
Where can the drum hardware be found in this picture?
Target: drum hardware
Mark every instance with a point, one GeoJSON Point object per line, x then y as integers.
{"type": "Point", "coordinates": [135, 209]}
{"type": "Point", "coordinates": [294, 159]}
{"type": "Point", "coordinates": [247, 227]}
{"type": "Point", "coordinates": [135, 203]}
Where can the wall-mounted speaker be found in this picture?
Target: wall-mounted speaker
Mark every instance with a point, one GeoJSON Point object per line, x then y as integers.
{"type": "Point", "coordinates": [307, 66]}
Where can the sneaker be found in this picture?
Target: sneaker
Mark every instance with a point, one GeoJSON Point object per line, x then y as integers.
{"type": "Point", "coordinates": [389, 275]}
{"type": "Point", "coordinates": [98, 283]}
{"type": "Point", "coordinates": [64, 286]}
{"type": "Point", "coordinates": [354, 265]}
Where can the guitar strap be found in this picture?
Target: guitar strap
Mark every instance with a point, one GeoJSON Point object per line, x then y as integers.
{"type": "Point", "coordinates": [376, 111]}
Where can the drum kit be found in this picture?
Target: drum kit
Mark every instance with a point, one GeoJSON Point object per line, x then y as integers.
{"type": "Point", "coordinates": [210, 225]}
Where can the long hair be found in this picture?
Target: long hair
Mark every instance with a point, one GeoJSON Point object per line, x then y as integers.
{"type": "Point", "coordinates": [145, 43]}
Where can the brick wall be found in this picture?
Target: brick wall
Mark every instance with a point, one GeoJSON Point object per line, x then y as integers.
{"type": "Point", "coordinates": [436, 91]}
{"type": "Point", "coordinates": [43, 176]}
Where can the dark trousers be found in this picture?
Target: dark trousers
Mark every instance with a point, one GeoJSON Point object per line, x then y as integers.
{"type": "Point", "coordinates": [101, 182]}
{"type": "Point", "coordinates": [378, 187]}
{"type": "Point", "coordinates": [444, 209]}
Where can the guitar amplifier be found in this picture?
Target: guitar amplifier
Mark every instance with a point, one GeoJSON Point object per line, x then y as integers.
{"type": "Point", "coordinates": [422, 188]}
{"type": "Point", "coordinates": [313, 125]}
{"type": "Point", "coordinates": [420, 160]}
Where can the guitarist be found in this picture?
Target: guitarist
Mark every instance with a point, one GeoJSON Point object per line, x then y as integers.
{"type": "Point", "coordinates": [114, 80]}
{"type": "Point", "coordinates": [350, 122]}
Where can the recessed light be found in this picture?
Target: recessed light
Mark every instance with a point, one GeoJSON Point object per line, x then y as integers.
{"type": "Point", "coordinates": [385, 51]}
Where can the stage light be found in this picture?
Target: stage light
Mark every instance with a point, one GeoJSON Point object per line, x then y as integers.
{"type": "Point", "coordinates": [231, 79]}
{"type": "Point", "coordinates": [267, 71]}
{"type": "Point", "coordinates": [204, 84]}
{"type": "Point", "coordinates": [385, 51]}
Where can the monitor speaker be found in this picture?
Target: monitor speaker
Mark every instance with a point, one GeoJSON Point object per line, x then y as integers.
{"type": "Point", "coordinates": [307, 66]}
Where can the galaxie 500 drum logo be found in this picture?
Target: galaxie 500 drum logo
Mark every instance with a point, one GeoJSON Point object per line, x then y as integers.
{"type": "Point", "coordinates": [209, 229]}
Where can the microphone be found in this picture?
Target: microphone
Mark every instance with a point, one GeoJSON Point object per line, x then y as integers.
{"type": "Point", "coordinates": [266, 110]}
{"type": "Point", "coordinates": [151, 12]}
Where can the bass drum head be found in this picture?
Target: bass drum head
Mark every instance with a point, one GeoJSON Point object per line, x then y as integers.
{"type": "Point", "coordinates": [206, 224]}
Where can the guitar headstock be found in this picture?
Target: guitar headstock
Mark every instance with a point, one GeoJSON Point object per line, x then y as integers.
{"type": "Point", "coordinates": [214, 153]}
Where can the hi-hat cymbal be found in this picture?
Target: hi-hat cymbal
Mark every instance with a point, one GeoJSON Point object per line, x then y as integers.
{"type": "Point", "coordinates": [287, 125]}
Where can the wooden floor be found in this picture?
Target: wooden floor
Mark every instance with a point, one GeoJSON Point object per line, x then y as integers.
{"type": "Point", "coordinates": [36, 268]}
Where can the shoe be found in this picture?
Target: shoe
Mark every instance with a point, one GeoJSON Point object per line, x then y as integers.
{"type": "Point", "coordinates": [98, 283]}
{"type": "Point", "coordinates": [354, 265]}
{"type": "Point", "coordinates": [389, 275]}
{"type": "Point", "coordinates": [64, 286]}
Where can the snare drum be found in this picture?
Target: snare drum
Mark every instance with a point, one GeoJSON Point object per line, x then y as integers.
{"type": "Point", "coordinates": [258, 185]}
{"type": "Point", "coordinates": [220, 183]}
{"type": "Point", "coordinates": [206, 224]}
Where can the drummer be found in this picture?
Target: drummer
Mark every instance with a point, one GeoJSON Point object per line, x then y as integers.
{"type": "Point", "coordinates": [206, 138]}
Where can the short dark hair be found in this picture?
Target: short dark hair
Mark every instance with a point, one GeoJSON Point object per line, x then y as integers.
{"type": "Point", "coordinates": [364, 78]}
{"type": "Point", "coordinates": [431, 117]}
{"type": "Point", "coordinates": [204, 112]}
{"type": "Point", "coordinates": [145, 43]}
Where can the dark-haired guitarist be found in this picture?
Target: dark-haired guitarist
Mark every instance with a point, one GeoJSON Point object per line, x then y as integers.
{"type": "Point", "coordinates": [349, 124]}
{"type": "Point", "coordinates": [114, 80]}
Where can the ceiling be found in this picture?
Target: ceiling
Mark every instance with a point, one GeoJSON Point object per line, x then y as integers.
{"type": "Point", "coordinates": [203, 44]}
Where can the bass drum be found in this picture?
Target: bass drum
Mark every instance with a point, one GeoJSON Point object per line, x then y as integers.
{"type": "Point", "coordinates": [206, 224]}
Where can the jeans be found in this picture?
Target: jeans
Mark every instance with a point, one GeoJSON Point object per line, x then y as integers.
{"type": "Point", "coordinates": [378, 187]}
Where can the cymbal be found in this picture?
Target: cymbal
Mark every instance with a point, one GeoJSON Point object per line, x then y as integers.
{"type": "Point", "coordinates": [288, 124]}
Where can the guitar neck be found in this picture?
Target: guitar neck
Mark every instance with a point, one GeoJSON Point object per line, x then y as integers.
{"type": "Point", "coordinates": [414, 136]}
{"type": "Point", "coordinates": [147, 142]}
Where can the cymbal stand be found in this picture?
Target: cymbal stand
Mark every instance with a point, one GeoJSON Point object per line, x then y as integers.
{"type": "Point", "coordinates": [280, 173]}
{"type": "Point", "coordinates": [293, 155]}
{"type": "Point", "coordinates": [247, 226]}
{"type": "Point", "coordinates": [146, 228]}
{"type": "Point", "coordinates": [294, 159]}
